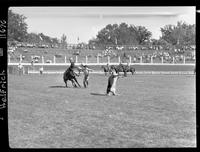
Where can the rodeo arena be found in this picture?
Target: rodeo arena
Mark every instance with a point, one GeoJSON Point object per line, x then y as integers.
{"type": "Point", "coordinates": [115, 91]}
{"type": "Point", "coordinates": [154, 97]}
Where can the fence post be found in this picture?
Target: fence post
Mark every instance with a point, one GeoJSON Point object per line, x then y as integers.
{"type": "Point", "coordinates": [43, 59]}
{"type": "Point", "coordinates": [20, 58]}
{"type": "Point", "coordinates": [184, 59]}
{"type": "Point", "coordinates": [140, 59]}
{"type": "Point", "coordinates": [65, 59]}
{"type": "Point", "coordinates": [119, 60]}
{"type": "Point", "coordinates": [129, 59]}
{"type": "Point", "coordinates": [162, 59]}
{"type": "Point", "coordinates": [151, 59]}
{"type": "Point", "coordinates": [97, 59]}
{"type": "Point", "coordinates": [76, 59]}
{"type": "Point", "coordinates": [108, 59]}
{"type": "Point", "coordinates": [173, 59]}
{"type": "Point", "coordinates": [195, 54]}
{"type": "Point", "coordinates": [86, 59]}
{"type": "Point", "coordinates": [54, 59]}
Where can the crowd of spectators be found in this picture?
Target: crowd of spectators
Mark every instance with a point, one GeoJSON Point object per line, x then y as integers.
{"type": "Point", "coordinates": [148, 53]}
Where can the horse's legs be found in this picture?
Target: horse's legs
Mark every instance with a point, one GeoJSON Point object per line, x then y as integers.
{"type": "Point", "coordinates": [66, 84]}
{"type": "Point", "coordinates": [77, 82]}
{"type": "Point", "coordinates": [73, 84]}
{"type": "Point", "coordinates": [132, 72]}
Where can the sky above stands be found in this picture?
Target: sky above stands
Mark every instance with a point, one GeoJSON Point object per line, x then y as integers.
{"type": "Point", "coordinates": [85, 22]}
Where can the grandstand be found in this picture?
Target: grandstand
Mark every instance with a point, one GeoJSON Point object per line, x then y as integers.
{"type": "Point", "coordinates": [135, 55]}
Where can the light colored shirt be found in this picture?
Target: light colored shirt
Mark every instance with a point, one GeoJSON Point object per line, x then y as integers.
{"type": "Point", "coordinates": [114, 76]}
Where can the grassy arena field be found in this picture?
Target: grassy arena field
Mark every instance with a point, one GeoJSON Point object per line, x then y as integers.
{"type": "Point", "coordinates": [151, 111]}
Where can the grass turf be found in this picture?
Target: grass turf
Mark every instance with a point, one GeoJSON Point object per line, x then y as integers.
{"type": "Point", "coordinates": [151, 111]}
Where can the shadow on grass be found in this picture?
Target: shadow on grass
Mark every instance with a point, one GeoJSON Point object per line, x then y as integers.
{"type": "Point", "coordinates": [57, 87]}
{"type": "Point", "coordinates": [98, 94]}
{"type": "Point", "coordinates": [65, 87]}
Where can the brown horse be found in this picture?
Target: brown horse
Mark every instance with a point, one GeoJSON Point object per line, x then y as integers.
{"type": "Point", "coordinates": [71, 76]}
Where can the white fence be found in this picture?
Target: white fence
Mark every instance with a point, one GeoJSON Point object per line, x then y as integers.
{"type": "Point", "coordinates": [137, 72]}
{"type": "Point", "coordinates": [100, 63]}
{"type": "Point", "coordinates": [60, 64]}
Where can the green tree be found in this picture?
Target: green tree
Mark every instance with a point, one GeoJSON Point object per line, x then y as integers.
{"type": "Point", "coordinates": [63, 40]}
{"type": "Point", "coordinates": [122, 34]}
{"type": "Point", "coordinates": [180, 34]}
{"type": "Point", "coordinates": [55, 41]}
{"type": "Point", "coordinates": [33, 38]}
{"type": "Point", "coordinates": [17, 27]}
{"type": "Point", "coordinates": [141, 34]}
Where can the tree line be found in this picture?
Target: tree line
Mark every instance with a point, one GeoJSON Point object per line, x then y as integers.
{"type": "Point", "coordinates": [124, 34]}
{"type": "Point", "coordinates": [17, 31]}
{"type": "Point", "coordinates": [112, 34]}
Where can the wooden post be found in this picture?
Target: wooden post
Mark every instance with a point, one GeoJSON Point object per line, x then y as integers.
{"type": "Point", "coordinates": [97, 59]}
{"type": "Point", "coordinates": [20, 58]}
{"type": "Point", "coordinates": [129, 59]}
{"type": "Point", "coordinates": [65, 59]}
{"type": "Point", "coordinates": [173, 60]}
{"type": "Point", "coordinates": [151, 59]}
{"type": "Point", "coordinates": [108, 59]}
{"type": "Point", "coordinates": [86, 59]}
{"type": "Point", "coordinates": [43, 59]}
{"type": "Point", "coordinates": [76, 59]}
{"type": "Point", "coordinates": [183, 59]}
{"type": "Point", "coordinates": [54, 59]}
{"type": "Point", "coordinates": [162, 59]}
{"type": "Point", "coordinates": [140, 59]}
{"type": "Point", "coordinates": [119, 60]}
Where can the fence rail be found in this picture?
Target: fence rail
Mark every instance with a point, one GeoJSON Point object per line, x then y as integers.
{"type": "Point", "coordinates": [137, 72]}
{"type": "Point", "coordinates": [108, 60]}
{"type": "Point", "coordinates": [116, 63]}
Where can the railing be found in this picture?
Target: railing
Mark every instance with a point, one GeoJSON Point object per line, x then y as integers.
{"type": "Point", "coordinates": [101, 63]}
{"type": "Point", "coordinates": [59, 64]}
